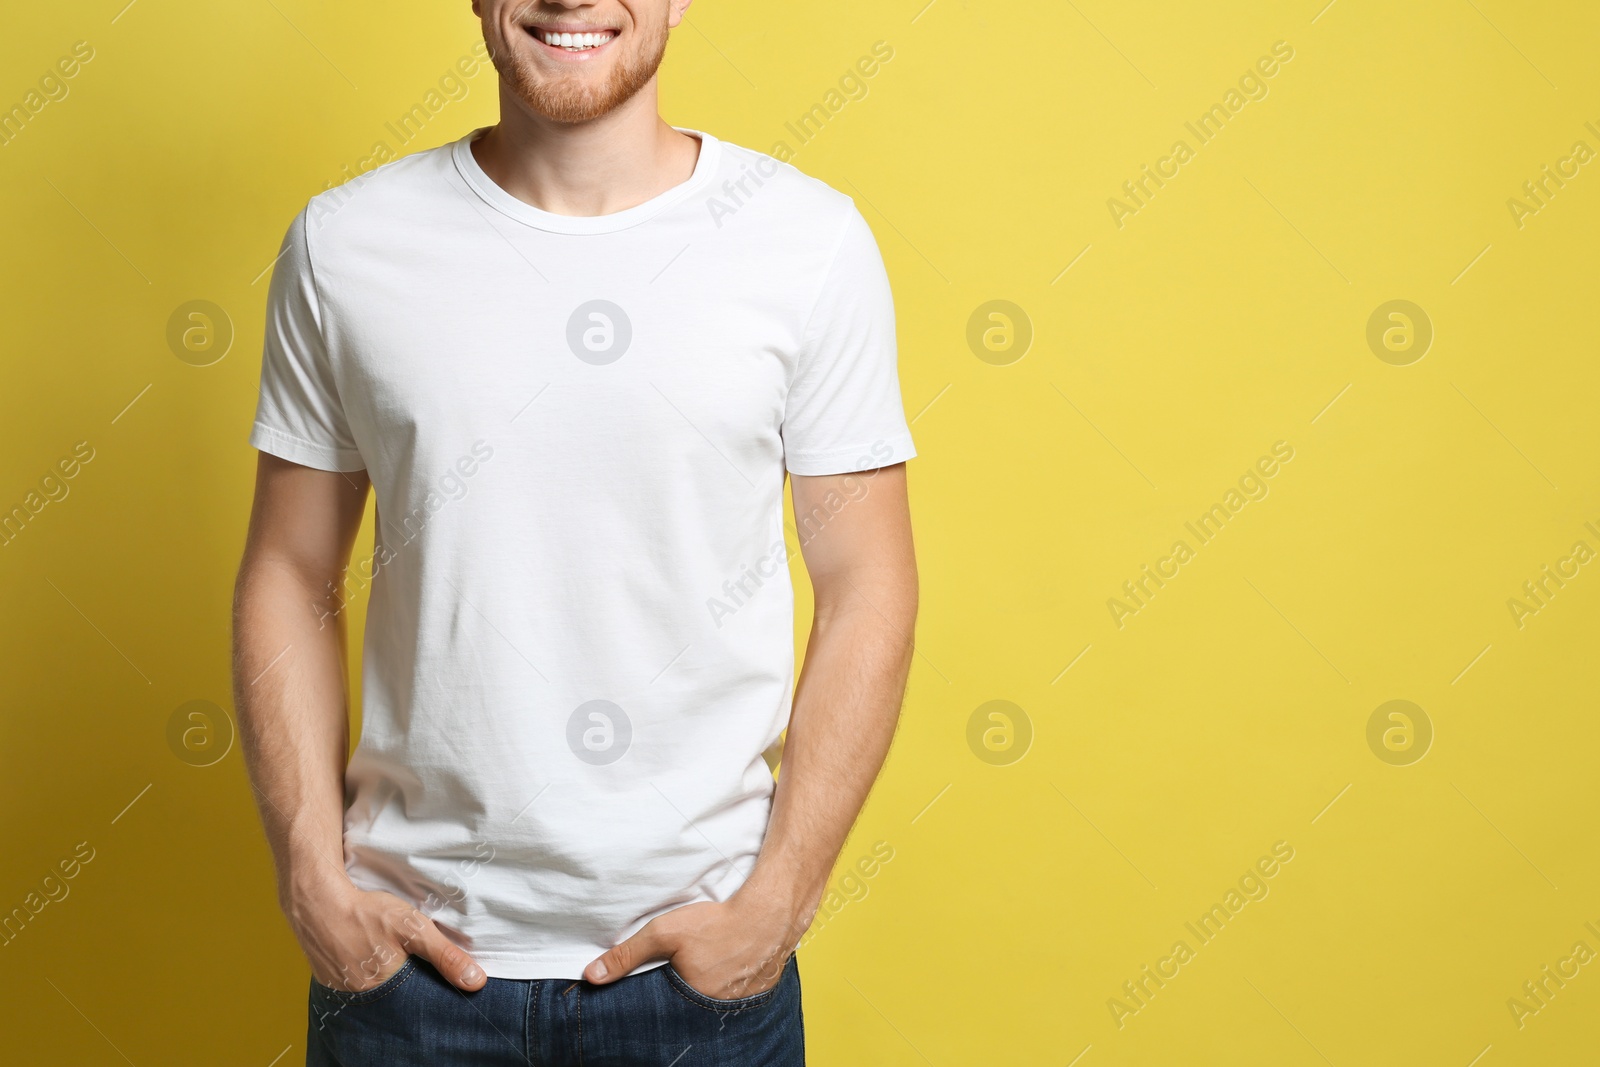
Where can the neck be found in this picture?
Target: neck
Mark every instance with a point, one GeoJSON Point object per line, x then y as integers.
{"type": "Point", "coordinates": [600, 167]}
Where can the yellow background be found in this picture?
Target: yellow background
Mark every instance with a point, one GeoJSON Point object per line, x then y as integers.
{"type": "Point", "coordinates": [1229, 313]}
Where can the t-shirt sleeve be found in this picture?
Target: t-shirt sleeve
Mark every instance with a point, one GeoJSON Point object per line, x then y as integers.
{"type": "Point", "coordinates": [299, 416]}
{"type": "Point", "coordinates": [843, 411]}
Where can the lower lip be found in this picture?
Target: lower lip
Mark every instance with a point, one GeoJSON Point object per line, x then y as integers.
{"type": "Point", "coordinates": [557, 52]}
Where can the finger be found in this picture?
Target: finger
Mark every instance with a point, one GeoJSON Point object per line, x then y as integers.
{"type": "Point", "coordinates": [647, 944]}
{"type": "Point", "coordinates": [458, 968]}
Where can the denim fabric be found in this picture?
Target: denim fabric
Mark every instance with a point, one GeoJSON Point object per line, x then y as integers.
{"type": "Point", "coordinates": [650, 1019]}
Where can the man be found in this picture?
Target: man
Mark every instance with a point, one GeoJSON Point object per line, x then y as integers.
{"type": "Point", "coordinates": [573, 355]}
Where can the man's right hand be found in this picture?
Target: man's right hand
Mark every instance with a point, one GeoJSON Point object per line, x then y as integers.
{"type": "Point", "coordinates": [357, 939]}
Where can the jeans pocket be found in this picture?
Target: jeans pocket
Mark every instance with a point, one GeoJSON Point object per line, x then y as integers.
{"type": "Point", "coordinates": [694, 996]}
{"type": "Point", "coordinates": [377, 992]}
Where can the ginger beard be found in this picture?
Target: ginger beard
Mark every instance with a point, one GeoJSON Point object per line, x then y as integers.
{"type": "Point", "coordinates": [576, 96]}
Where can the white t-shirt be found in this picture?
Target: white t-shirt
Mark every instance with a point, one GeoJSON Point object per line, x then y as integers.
{"type": "Point", "coordinates": [579, 641]}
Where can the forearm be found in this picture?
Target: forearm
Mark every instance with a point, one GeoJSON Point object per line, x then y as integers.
{"type": "Point", "coordinates": [289, 689]}
{"type": "Point", "coordinates": [846, 708]}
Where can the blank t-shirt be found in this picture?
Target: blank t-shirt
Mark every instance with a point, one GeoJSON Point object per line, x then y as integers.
{"type": "Point", "coordinates": [579, 639]}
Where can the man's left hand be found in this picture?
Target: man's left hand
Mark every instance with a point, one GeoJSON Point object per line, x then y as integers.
{"type": "Point", "coordinates": [724, 951]}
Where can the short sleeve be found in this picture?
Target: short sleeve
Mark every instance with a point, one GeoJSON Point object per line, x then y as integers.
{"type": "Point", "coordinates": [298, 414]}
{"type": "Point", "coordinates": [843, 412]}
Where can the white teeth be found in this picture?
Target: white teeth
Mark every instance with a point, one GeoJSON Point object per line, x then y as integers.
{"type": "Point", "coordinates": [574, 41]}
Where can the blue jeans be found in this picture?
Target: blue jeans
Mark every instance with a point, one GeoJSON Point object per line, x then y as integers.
{"type": "Point", "coordinates": [650, 1019]}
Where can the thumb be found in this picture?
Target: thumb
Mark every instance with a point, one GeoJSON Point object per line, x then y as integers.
{"type": "Point", "coordinates": [458, 968]}
{"type": "Point", "coordinates": [647, 944]}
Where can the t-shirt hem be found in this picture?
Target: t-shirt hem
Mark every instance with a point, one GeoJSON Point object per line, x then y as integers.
{"type": "Point", "coordinates": [295, 450]}
{"type": "Point", "coordinates": [525, 967]}
{"type": "Point", "coordinates": [861, 457]}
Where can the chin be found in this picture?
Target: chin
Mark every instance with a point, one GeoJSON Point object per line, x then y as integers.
{"type": "Point", "coordinates": [583, 76]}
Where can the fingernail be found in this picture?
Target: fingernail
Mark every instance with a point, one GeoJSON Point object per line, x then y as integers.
{"type": "Point", "coordinates": [599, 969]}
{"type": "Point", "coordinates": [471, 974]}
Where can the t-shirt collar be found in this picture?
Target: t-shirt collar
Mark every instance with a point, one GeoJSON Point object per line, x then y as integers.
{"type": "Point", "coordinates": [496, 197]}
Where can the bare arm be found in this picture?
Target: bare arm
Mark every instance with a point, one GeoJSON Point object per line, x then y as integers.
{"type": "Point", "coordinates": [847, 703]}
{"type": "Point", "coordinates": [289, 663]}
{"type": "Point", "coordinates": [290, 675]}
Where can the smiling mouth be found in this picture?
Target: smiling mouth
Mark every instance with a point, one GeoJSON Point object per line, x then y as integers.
{"type": "Point", "coordinates": [586, 40]}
